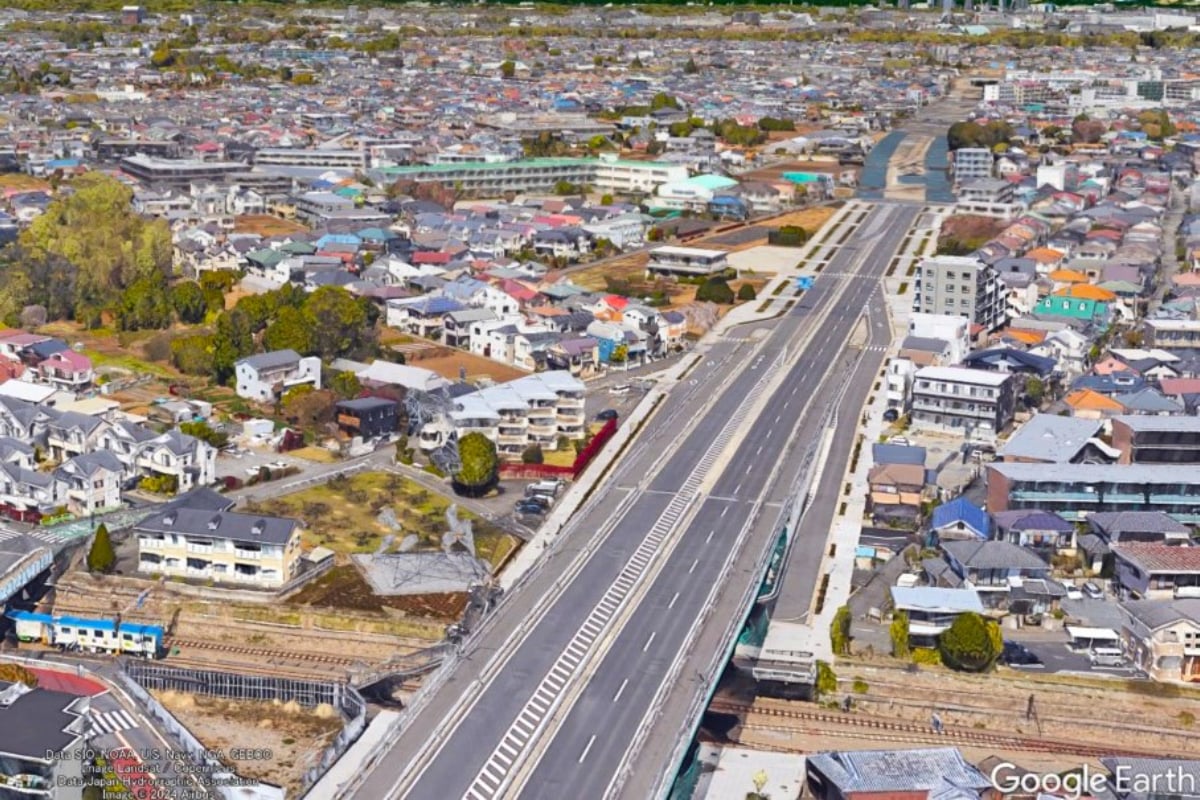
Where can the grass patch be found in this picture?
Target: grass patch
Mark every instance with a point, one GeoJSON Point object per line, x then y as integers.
{"type": "Point", "coordinates": [859, 686]}
{"type": "Point", "coordinates": [903, 288]}
{"type": "Point", "coordinates": [342, 515]}
{"type": "Point", "coordinates": [779, 289]}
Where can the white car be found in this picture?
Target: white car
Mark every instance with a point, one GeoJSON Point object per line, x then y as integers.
{"type": "Point", "coordinates": [1074, 593]}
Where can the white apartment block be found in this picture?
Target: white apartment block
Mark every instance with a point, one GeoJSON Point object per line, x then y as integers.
{"type": "Point", "coordinates": [972, 163]}
{"type": "Point", "coordinates": [975, 403]}
{"type": "Point", "coordinates": [536, 409]}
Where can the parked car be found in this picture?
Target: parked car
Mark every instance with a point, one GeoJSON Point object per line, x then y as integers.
{"type": "Point", "coordinates": [539, 500]}
{"type": "Point", "coordinates": [544, 488]}
{"type": "Point", "coordinates": [900, 440]}
{"type": "Point", "coordinates": [1107, 657]}
{"type": "Point", "coordinates": [606, 415]}
{"type": "Point", "coordinates": [1074, 593]}
{"type": "Point", "coordinates": [891, 415]}
{"type": "Point", "coordinates": [525, 507]}
{"type": "Point", "coordinates": [1016, 654]}
{"type": "Point", "coordinates": [1093, 591]}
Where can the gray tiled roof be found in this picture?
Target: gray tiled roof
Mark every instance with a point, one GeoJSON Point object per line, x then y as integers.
{"type": "Point", "coordinates": [272, 360]}
{"type": "Point", "coordinates": [255, 528]}
{"type": "Point", "coordinates": [935, 770]}
{"type": "Point", "coordinates": [993, 555]}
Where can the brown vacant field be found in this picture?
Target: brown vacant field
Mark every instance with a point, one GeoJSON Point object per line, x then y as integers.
{"type": "Point", "coordinates": [344, 588]}
{"type": "Point", "coordinates": [447, 362]}
{"type": "Point", "coordinates": [266, 225]}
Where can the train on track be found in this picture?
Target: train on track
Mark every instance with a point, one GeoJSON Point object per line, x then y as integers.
{"type": "Point", "coordinates": [88, 635]}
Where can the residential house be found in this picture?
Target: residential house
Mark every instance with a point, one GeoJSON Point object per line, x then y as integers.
{"type": "Point", "coordinates": [1162, 638]}
{"type": "Point", "coordinates": [71, 434]}
{"type": "Point", "coordinates": [368, 417]}
{"type": "Point", "coordinates": [1042, 532]}
{"type": "Point", "coordinates": [67, 370]}
{"type": "Point", "coordinates": [992, 568]}
{"type": "Point", "coordinates": [456, 325]}
{"type": "Point", "coordinates": [578, 356]}
{"type": "Point", "coordinates": [960, 519]}
{"type": "Point", "coordinates": [897, 492]}
{"type": "Point", "coordinates": [245, 549]}
{"type": "Point", "coordinates": [1154, 571]}
{"type": "Point", "coordinates": [188, 461]}
{"type": "Point", "coordinates": [266, 376]}
{"type": "Point", "coordinates": [1051, 439]}
{"type": "Point", "coordinates": [932, 609]}
{"type": "Point", "coordinates": [912, 774]}
{"type": "Point", "coordinates": [93, 482]}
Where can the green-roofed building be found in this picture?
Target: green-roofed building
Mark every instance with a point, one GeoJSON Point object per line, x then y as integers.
{"type": "Point", "coordinates": [265, 259]}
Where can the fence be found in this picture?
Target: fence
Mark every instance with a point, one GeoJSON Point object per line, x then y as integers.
{"type": "Point", "coordinates": [585, 456]}
{"type": "Point", "coordinates": [140, 677]}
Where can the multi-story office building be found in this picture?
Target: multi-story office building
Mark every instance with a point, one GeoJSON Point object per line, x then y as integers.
{"type": "Point", "coordinates": [972, 402]}
{"type": "Point", "coordinates": [961, 286]}
{"type": "Point", "coordinates": [1074, 491]}
{"type": "Point", "coordinates": [972, 163]}
{"type": "Point", "coordinates": [178, 173]}
{"type": "Point", "coordinates": [536, 409]}
{"type": "Point", "coordinates": [225, 546]}
{"type": "Point", "coordinates": [1150, 439]}
{"type": "Point", "coordinates": [35, 723]}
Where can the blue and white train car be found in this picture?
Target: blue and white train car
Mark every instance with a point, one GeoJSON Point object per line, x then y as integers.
{"type": "Point", "coordinates": [90, 635]}
{"type": "Point", "coordinates": [33, 627]}
{"type": "Point", "coordinates": [141, 640]}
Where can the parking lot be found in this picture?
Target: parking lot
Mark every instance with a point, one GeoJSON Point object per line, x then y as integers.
{"type": "Point", "coordinates": [246, 462]}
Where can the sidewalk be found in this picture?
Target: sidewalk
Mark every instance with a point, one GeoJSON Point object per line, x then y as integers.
{"type": "Point", "coordinates": [847, 527]}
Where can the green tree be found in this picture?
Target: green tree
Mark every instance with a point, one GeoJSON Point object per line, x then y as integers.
{"type": "Point", "coordinates": [839, 632]}
{"type": "Point", "coordinates": [101, 557]}
{"type": "Point", "coordinates": [145, 305]}
{"type": "Point", "coordinates": [533, 455]}
{"type": "Point", "coordinates": [971, 643]}
{"type": "Point", "coordinates": [96, 231]}
{"type": "Point", "coordinates": [480, 465]}
{"type": "Point", "coordinates": [663, 100]}
{"type": "Point", "coordinates": [345, 385]}
{"type": "Point", "coordinates": [232, 340]}
{"type": "Point", "coordinates": [826, 681]}
{"type": "Point", "coordinates": [205, 432]}
{"type": "Point", "coordinates": [606, 200]}
{"type": "Point", "coordinates": [307, 407]}
{"type": "Point", "coordinates": [746, 293]}
{"type": "Point", "coordinates": [193, 354]}
{"type": "Point", "coordinates": [289, 331]}
{"type": "Point", "coordinates": [620, 354]}
{"type": "Point", "coordinates": [690, 67]}
{"type": "Point", "coordinates": [898, 631]}
{"type": "Point", "coordinates": [338, 323]}
{"type": "Point", "coordinates": [189, 302]}
{"type": "Point", "coordinates": [1035, 390]}
{"type": "Point", "coordinates": [715, 290]}
{"type": "Point", "coordinates": [508, 70]}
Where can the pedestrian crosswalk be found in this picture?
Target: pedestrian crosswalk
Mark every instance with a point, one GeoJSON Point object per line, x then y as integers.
{"type": "Point", "coordinates": [111, 721]}
{"type": "Point", "coordinates": [50, 537]}
{"type": "Point", "coordinates": [877, 348]}
{"type": "Point", "coordinates": [5, 535]}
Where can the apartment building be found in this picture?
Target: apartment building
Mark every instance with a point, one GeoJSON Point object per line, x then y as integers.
{"type": "Point", "coordinates": [224, 546]}
{"type": "Point", "coordinates": [265, 376]}
{"type": "Point", "coordinates": [691, 261]}
{"type": "Point", "coordinates": [178, 173]}
{"type": "Point", "coordinates": [495, 178]}
{"type": "Point", "coordinates": [1074, 491]}
{"type": "Point", "coordinates": [1151, 439]}
{"type": "Point", "coordinates": [310, 157]}
{"type": "Point", "coordinates": [972, 163]}
{"type": "Point", "coordinates": [536, 409]}
{"type": "Point", "coordinates": [961, 286]}
{"type": "Point", "coordinates": [989, 197]}
{"type": "Point", "coordinates": [1171, 333]}
{"type": "Point", "coordinates": [975, 403]}
{"type": "Point", "coordinates": [33, 724]}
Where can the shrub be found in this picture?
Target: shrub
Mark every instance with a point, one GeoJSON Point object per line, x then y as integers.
{"type": "Point", "coordinates": [533, 455]}
{"type": "Point", "coordinates": [926, 655]}
{"type": "Point", "coordinates": [839, 631]}
{"type": "Point", "coordinates": [746, 293]}
{"type": "Point", "coordinates": [899, 634]}
{"type": "Point", "coordinates": [715, 290]}
{"type": "Point", "coordinates": [826, 680]}
{"type": "Point", "coordinates": [971, 644]}
{"type": "Point", "coordinates": [860, 686]}
{"type": "Point", "coordinates": [102, 557]}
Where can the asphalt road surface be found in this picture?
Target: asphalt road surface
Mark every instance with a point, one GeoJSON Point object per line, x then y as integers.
{"type": "Point", "coordinates": [586, 725]}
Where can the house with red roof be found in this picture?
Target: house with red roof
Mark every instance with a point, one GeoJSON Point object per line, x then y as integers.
{"type": "Point", "coordinates": [68, 370]}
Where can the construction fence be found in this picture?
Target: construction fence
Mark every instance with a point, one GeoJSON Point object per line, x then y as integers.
{"type": "Point", "coordinates": [140, 678]}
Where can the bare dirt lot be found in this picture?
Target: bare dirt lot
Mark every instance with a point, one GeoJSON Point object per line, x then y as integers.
{"type": "Point", "coordinates": [293, 735]}
{"type": "Point", "coordinates": [448, 362]}
{"type": "Point", "coordinates": [266, 225]}
{"type": "Point", "coordinates": [344, 587]}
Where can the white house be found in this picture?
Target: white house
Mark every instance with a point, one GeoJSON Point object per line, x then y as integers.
{"type": "Point", "coordinates": [264, 377]}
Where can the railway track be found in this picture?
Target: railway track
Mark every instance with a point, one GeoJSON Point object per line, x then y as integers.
{"type": "Point", "coordinates": [826, 723]}
{"type": "Point", "coordinates": [237, 650]}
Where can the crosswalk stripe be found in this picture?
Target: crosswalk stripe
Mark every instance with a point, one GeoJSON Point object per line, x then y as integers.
{"type": "Point", "coordinates": [112, 721]}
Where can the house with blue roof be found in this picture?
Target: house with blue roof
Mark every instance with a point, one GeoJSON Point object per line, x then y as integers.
{"type": "Point", "coordinates": [960, 519]}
